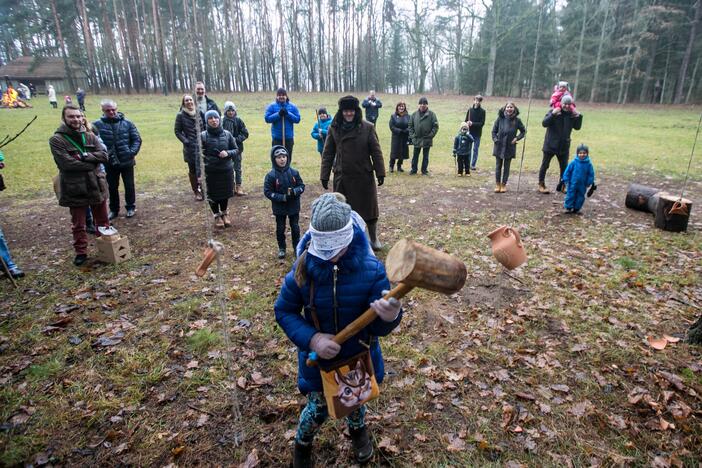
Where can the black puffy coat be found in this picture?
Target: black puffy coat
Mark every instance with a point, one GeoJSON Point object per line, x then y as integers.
{"type": "Point", "coordinates": [186, 131]}
{"type": "Point", "coordinates": [504, 130]}
{"type": "Point", "coordinates": [558, 129]}
{"type": "Point", "coordinates": [121, 138]}
{"type": "Point", "coordinates": [219, 172]}
{"type": "Point", "coordinates": [399, 126]}
{"type": "Point", "coordinates": [276, 185]}
{"type": "Point", "coordinates": [237, 128]}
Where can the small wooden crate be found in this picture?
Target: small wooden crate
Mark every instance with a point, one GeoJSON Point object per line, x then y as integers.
{"type": "Point", "coordinates": [113, 249]}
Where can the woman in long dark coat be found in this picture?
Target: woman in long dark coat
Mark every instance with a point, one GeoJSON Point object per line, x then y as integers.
{"type": "Point", "coordinates": [186, 131]}
{"type": "Point", "coordinates": [505, 137]}
{"type": "Point", "coordinates": [353, 152]}
{"type": "Point", "coordinates": [399, 126]}
{"type": "Point", "coordinates": [219, 148]}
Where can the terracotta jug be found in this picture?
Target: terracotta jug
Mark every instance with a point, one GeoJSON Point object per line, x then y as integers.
{"type": "Point", "coordinates": [507, 247]}
{"type": "Point", "coordinates": [208, 257]}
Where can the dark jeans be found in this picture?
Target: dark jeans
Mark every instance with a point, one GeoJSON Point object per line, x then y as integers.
{"type": "Point", "coordinates": [219, 206]}
{"type": "Point", "coordinates": [80, 236]}
{"type": "Point", "coordinates": [476, 146]}
{"type": "Point", "coordinates": [113, 174]}
{"type": "Point", "coordinates": [502, 170]}
{"type": "Point", "coordinates": [289, 142]}
{"type": "Point", "coordinates": [546, 161]}
{"type": "Point", "coordinates": [280, 229]}
{"type": "Point", "coordinates": [425, 159]}
{"type": "Point", "coordinates": [54, 104]}
{"type": "Point", "coordinates": [463, 163]}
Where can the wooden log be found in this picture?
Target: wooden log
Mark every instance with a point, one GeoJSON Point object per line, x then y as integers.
{"type": "Point", "coordinates": [641, 197]}
{"type": "Point", "coordinates": [675, 221]}
{"type": "Point", "coordinates": [420, 266]}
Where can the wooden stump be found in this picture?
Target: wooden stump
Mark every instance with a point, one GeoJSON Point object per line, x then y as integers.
{"type": "Point", "coordinates": [642, 198]}
{"type": "Point", "coordinates": [672, 221]}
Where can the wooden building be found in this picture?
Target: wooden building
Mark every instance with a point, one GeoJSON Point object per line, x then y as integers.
{"type": "Point", "coordinates": [43, 71]}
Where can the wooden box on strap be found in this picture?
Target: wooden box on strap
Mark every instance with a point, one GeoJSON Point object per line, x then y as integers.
{"type": "Point", "coordinates": [113, 249]}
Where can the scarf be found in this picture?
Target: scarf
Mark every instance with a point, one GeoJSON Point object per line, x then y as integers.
{"type": "Point", "coordinates": [191, 113]}
{"type": "Point", "coordinates": [327, 244]}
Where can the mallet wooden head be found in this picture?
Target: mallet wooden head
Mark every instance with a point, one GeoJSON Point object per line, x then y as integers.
{"type": "Point", "coordinates": [419, 266]}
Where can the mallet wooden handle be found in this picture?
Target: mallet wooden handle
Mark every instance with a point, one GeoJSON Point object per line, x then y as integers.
{"type": "Point", "coordinates": [353, 328]}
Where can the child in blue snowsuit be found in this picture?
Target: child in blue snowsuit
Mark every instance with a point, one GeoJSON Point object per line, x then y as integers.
{"type": "Point", "coordinates": [321, 128]}
{"type": "Point", "coordinates": [283, 187]}
{"type": "Point", "coordinates": [334, 280]}
{"type": "Point", "coordinates": [578, 176]}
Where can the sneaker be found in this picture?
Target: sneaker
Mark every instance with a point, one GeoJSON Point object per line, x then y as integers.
{"type": "Point", "coordinates": [281, 254]}
{"type": "Point", "coordinates": [361, 444]}
{"type": "Point", "coordinates": [413, 173]}
{"type": "Point", "coordinates": [16, 273]}
{"type": "Point", "coordinates": [425, 172]}
{"type": "Point", "coordinates": [112, 215]}
{"type": "Point", "coordinates": [131, 212]}
{"type": "Point", "coordinates": [473, 168]}
{"type": "Point", "coordinates": [80, 259]}
{"type": "Point", "coordinates": [399, 169]}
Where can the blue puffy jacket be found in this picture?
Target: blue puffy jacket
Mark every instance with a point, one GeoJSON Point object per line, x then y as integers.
{"type": "Point", "coordinates": [578, 176]}
{"type": "Point", "coordinates": [359, 279]}
{"type": "Point", "coordinates": [272, 116]}
{"type": "Point", "coordinates": [121, 138]}
{"type": "Point", "coordinates": [323, 125]}
{"type": "Point", "coordinates": [276, 185]}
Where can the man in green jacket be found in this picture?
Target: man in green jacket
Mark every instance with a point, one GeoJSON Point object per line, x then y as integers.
{"type": "Point", "coordinates": [423, 126]}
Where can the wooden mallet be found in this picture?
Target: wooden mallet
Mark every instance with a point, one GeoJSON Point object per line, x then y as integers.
{"type": "Point", "coordinates": [411, 265]}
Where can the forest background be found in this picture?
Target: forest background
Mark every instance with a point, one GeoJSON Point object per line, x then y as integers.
{"type": "Point", "coordinates": [619, 51]}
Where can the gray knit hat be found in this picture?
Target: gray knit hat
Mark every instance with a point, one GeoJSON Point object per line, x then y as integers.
{"type": "Point", "coordinates": [330, 212]}
{"type": "Point", "coordinates": [229, 105]}
{"type": "Point", "coordinates": [567, 99]}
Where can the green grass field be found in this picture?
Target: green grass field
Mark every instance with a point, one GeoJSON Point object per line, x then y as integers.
{"type": "Point", "coordinates": [623, 140]}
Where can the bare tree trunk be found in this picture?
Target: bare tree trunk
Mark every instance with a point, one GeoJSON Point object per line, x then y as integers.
{"type": "Point", "coordinates": [89, 45]}
{"type": "Point", "coordinates": [692, 81]}
{"type": "Point", "coordinates": [649, 72]}
{"type": "Point", "coordinates": [320, 48]}
{"type": "Point", "coordinates": [62, 46]}
{"type": "Point", "coordinates": [493, 49]}
{"type": "Point", "coordinates": [665, 75]}
{"type": "Point", "coordinates": [580, 50]}
{"type": "Point", "coordinates": [598, 59]}
{"type": "Point", "coordinates": [688, 53]}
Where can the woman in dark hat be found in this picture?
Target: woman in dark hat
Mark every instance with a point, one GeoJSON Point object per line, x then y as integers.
{"type": "Point", "coordinates": [353, 152]}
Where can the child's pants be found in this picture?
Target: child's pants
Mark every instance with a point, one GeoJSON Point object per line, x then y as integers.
{"type": "Point", "coordinates": [463, 162]}
{"type": "Point", "coordinates": [280, 230]}
{"type": "Point", "coordinates": [5, 252]}
{"type": "Point", "coordinates": [314, 415]}
{"type": "Point", "coordinates": [575, 197]}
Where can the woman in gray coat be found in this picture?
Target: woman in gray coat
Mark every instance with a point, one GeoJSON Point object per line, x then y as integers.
{"type": "Point", "coordinates": [507, 130]}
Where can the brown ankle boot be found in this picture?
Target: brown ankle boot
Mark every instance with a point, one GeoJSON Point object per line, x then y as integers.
{"type": "Point", "coordinates": [498, 188]}
{"type": "Point", "coordinates": [219, 221]}
{"type": "Point", "coordinates": [239, 191]}
{"type": "Point", "coordinates": [225, 219]}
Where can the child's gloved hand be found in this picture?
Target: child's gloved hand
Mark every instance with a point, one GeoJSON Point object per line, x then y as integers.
{"type": "Point", "coordinates": [324, 346]}
{"type": "Point", "coordinates": [593, 187]}
{"type": "Point", "coordinates": [387, 309]}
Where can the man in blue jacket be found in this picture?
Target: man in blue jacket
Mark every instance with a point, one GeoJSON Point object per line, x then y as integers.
{"type": "Point", "coordinates": [282, 114]}
{"type": "Point", "coordinates": [123, 142]}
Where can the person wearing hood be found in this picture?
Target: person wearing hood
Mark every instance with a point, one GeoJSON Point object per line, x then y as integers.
{"type": "Point", "coordinates": [335, 279]}
{"type": "Point", "coordinates": [186, 130]}
{"type": "Point", "coordinates": [282, 115]}
{"type": "Point", "coordinates": [578, 176]}
{"type": "Point", "coordinates": [283, 186]}
{"type": "Point", "coordinates": [219, 149]}
{"type": "Point", "coordinates": [507, 130]}
{"type": "Point", "coordinates": [559, 123]}
{"type": "Point", "coordinates": [78, 155]}
{"type": "Point", "coordinates": [234, 125]}
{"type": "Point", "coordinates": [123, 142]}
{"type": "Point", "coordinates": [51, 92]}
{"type": "Point", "coordinates": [321, 128]}
{"type": "Point", "coordinates": [353, 153]}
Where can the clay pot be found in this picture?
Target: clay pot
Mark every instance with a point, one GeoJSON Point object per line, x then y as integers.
{"type": "Point", "coordinates": [507, 247]}
{"type": "Point", "coordinates": [208, 257]}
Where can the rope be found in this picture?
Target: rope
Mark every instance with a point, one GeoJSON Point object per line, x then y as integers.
{"type": "Point", "coordinates": [221, 296]}
{"type": "Point", "coordinates": [526, 124]}
{"type": "Point", "coordinates": [689, 163]}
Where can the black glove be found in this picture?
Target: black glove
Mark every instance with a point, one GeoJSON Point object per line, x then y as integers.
{"type": "Point", "coordinates": [282, 112]}
{"type": "Point", "coordinates": [381, 180]}
{"type": "Point", "coordinates": [325, 184]}
{"type": "Point", "coordinates": [593, 187]}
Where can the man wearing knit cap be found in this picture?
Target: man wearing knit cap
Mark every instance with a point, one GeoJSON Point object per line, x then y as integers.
{"type": "Point", "coordinates": [423, 126]}
{"type": "Point", "coordinates": [353, 153]}
{"type": "Point", "coordinates": [234, 125]}
{"type": "Point", "coordinates": [559, 123]}
{"type": "Point", "coordinates": [282, 115]}
{"type": "Point", "coordinates": [335, 279]}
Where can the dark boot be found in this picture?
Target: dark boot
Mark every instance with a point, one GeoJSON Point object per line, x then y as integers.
{"type": "Point", "coordinates": [302, 456]}
{"type": "Point", "coordinates": [372, 233]}
{"type": "Point", "coordinates": [195, 186]}
{"type": "Point", "coordinates": [361, 444]}
{"type": "Point", "coordinates": [399, 166]}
